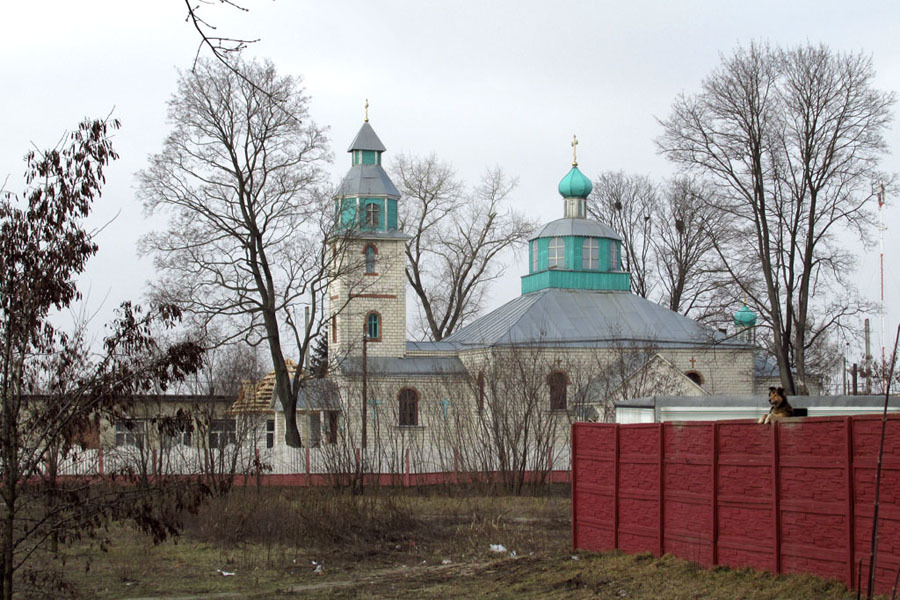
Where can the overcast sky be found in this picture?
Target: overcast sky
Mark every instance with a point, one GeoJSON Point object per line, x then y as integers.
{"type": "Point", "coordinates": [479, 83]}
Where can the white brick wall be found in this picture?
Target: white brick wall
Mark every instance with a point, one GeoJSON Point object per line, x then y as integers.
{"type": "Point", "coordinates": [354, 294]}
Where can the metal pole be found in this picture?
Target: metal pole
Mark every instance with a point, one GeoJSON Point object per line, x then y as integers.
{"type": "Point", "coordinates": [868, 372]}
{"type": "Point", "coordinates": [364, 388]}
{"type": "Point", "coordinates": [881, 228]}
{"type": "Point", "coordinates": [847, 345]}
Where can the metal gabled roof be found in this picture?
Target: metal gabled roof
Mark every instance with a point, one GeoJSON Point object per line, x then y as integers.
{"type": "Point", "coordinates": [579, 227]}
{"type": "Point", "coordinates": [367, 181]}
{"type": "Point", "coordinates": [366, 139]}
{"type": "Point", "coordinates": [583, 318]}
{"type": "Point", "coordinates": [318, 394]}
{"type": "Point", "coordinates": [380, 366]}
{"type": "Point", "coordinates": [427, 347]}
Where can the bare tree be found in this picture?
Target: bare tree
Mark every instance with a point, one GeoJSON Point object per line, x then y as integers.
{"type": "Point", "coordinates": [458, 238]}
{"type": "Point", "coordinates": [53, 389]}
{"type": "Point", "coordinates": [222, 47]}
{"type": "Point", "coordinates": [626, 203]}
{"type": "Point", "coordinates": [239, 179]}
{"type": "Point", "coordinates": [791, 139]}
{"type": "Point", "coordinates": [691, 279]}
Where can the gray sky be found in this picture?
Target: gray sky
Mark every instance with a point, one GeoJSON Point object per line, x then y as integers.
{"type": "Point", "coordinates": [479, 83]}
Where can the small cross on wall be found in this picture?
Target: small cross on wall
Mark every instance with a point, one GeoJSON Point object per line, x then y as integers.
{"type": "Point", "coordinates": [692, 362]}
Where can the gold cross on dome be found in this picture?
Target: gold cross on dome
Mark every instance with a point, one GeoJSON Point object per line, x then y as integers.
{"type": "Point", "coordinates": [367, 110]}
{"type": "Point", "coordinates": [574, 151]}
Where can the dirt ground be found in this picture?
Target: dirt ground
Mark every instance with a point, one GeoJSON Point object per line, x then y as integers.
{"type": "Point", "coordinates": [293, 544]}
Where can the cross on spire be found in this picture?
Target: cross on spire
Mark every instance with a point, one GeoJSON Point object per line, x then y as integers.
{"type": "Point", "coordinates": [367, 110]}
{"type": "Point", "coordinates": [574, 151]}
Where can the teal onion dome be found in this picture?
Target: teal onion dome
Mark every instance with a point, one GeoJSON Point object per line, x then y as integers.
{"type": "Point", "coordinates": [745, 317]}
{"type": "Point", "coordinates": [575, 184]}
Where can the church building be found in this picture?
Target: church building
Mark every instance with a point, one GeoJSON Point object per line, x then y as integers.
{"type": "Point", "coordinates": [575, 342]}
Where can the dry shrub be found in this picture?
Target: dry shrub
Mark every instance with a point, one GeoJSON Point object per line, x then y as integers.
{"type": "Point", "coordinates": [303, 518]}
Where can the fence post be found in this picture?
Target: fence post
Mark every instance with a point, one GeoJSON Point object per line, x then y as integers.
{"type": "Point", "coordinates": [714, 460]}
{"type": "Point", "coordinates": [407, 468]}
{"type": "Point", "coordinates": [616, 490]}
{"type": "Point", "coordinates": [662, 483]}
{"type": "Point", "coordinates": [308, 478]}
{"type": "Point", "coordinates": [851, 512]}
{"type": "Point", "coordinates": [776, 493]}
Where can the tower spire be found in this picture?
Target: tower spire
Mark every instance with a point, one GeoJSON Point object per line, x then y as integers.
{"type": "Point", "coordinates": [367, 110]}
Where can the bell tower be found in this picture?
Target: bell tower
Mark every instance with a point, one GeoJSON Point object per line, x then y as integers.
{"type": "Point", "coordinates": [367, 293]}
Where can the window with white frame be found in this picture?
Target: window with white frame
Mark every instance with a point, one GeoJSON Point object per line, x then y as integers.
{"type": "Point", "coordinates": [557, 255]}
{"type": "Point", "coordinates": [176, 439]}
{"type": "Point", "coordinates": [534, 256]}
{"type": "Point", "coordinates": [590, 254]}
{"type": "Point", "coordinates": [222, 432]}
{"type": "Point", "coordinates": [270, 433]}
{"type": "Point", "coordinates": [131, 432]}
{"type": "Point", "coordinates": [613, 256]}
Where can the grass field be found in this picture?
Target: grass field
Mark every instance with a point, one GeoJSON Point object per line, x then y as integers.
{"type": "Point", "coordinates": [319, 544]}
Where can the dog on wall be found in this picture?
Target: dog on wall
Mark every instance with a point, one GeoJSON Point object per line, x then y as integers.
{"type": "Point", "coordinates": [779, 407]}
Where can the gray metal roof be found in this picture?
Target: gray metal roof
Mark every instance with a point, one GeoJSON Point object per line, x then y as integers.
{"type": "Point", "coordinates": [427, 346]}
{"type": "Point", "coordinates": [318, 394]}
{"type": "Point", "coordinates": [367, 181]}
{"type": "Point", "coordinates": [582, 318]}
{"type": "Point", "coordinates": [380, 366]}
{"type": "Point", "coordinates": [580, 227]}
{"type": "Point", "coordinates": [366, 139]}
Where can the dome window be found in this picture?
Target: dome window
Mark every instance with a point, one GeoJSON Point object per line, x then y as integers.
{"type": "Point", "coordinates": [372, 217]}
{"type": "Point", "coordinates": [590, 254]}
{"type": "Point", "coordinates": [557, 257]}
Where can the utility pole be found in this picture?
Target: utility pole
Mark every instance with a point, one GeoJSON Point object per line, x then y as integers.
{"type": "Point", "coordinates": [365, 391]}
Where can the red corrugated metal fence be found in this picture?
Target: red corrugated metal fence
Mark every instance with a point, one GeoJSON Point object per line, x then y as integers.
{"type": "Point", "coordinates": [796, 497]}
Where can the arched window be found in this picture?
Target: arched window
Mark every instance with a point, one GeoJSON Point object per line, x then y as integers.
{"type": "Point", "coordinates": [479, 401]}
{"type": "Point", "coordinates": [372, 215]}
{"type": "Point", "coordinates": [557, 382]}
{"type": "Point", "coordinates": [590, 254]}
{"type": "Point", "coordinates": [557, 256]}
{"type": "Point", "coordinates": [370, 253]}
{"type": "Point", "coordinates": [695, 376]}
{"type": "Point", "coordinates": [409, 407]}
{"type": "Point", "coordinates": [373, 327]}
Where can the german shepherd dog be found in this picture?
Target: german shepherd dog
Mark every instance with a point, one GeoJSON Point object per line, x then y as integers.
{"type": "Point", "coordinates": [779, 406]}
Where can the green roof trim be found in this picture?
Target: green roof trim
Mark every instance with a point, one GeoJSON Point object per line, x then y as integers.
{"type": "Point", "coordinates": [576, 280]}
